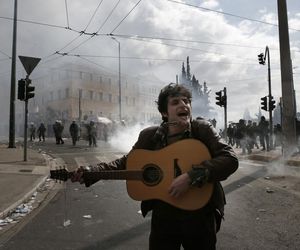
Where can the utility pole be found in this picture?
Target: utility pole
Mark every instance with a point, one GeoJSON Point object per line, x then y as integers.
{"type": "Point", "coordinates": [120, 97]}
{"type": "Point", "coordinates": [11, 143]}
{"type": "Point", "coordinates": [79, 105]}
{"type": "Point", "coordinates": [267, 52]}
{"type": "Point", "coordinates": [225, 114]}
{"type": "Point", "coordinates": [287, 86]}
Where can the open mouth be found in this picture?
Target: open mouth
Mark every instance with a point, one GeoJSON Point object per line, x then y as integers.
{"type": "Point", "coordinates": [183, 113]}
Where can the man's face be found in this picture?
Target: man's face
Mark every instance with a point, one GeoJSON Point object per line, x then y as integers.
{"type": "Point", "coordinates": [178, 109]}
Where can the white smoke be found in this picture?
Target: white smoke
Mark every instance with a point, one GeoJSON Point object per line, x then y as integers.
{"type": "Point", "coordinates": [125, 137]}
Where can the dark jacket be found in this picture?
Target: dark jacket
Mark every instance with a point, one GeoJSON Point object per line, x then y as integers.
{"type": "Point", "coordinates": [222, 164]}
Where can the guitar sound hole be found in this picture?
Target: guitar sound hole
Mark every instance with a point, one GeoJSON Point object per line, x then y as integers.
{"type": "Point", "coordinates": [152, 174]}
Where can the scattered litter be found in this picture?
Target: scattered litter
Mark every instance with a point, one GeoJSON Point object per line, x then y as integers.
{"type": "Point", "coordinates": [96, 195]}
{"type": "Point", "coordinates": [140, 212]}
{"type": "Point", "coordinates": [267, 177]}
{"type": "Point", "coordinates": [67, 223]}
{"type": "Point", "coordinates": [262, 210]}
{"type": "Point", "coordinates": [3, 222]}
{"type": "Point", "coordinates": [268, 190]}
{"type": "Point", "coordinates": [257, 218]}
{"type": "Point", "coordinates": [88, 216]}
{"type": "Point", "coordinates": [23, 209]}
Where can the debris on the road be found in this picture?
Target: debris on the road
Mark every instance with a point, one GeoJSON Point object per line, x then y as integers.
{"type": "Point", "coordinates": [262, 210]}
{"type": "Point", "coordinates": [269, 190]}
{"type": "Point", "coordinates": [67, 223]}
{"type": "Point", "coordinates": [140, 212]}
{"type": "Point", "coordinates": [24, 208]}
{"type": "Point", "coordinates": [88, 216]}
{"type": "Point", "coordinates": [267, 178]}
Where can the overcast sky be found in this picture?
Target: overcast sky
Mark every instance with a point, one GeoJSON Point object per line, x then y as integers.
{"type": "Point", "coordinates": [222, 39]}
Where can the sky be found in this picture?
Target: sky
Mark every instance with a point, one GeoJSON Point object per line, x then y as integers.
{"type": "Point", "coordinates": [222, 39]}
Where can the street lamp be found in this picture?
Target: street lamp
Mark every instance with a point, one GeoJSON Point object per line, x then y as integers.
{"type": "Point", "coordinates": [120, 99]}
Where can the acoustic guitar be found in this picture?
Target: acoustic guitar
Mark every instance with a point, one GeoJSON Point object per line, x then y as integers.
{"type": "Point", "coordinates": [150, 173]}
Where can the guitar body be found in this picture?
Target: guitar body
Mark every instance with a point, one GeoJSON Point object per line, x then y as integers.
{"type": "Point", "coordinates": [162, 166]}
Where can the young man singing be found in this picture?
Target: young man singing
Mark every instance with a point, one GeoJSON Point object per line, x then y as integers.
{"type": "Point", "coordinates": [172, 227]}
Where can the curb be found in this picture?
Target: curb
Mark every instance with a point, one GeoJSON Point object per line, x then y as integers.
{"type": "Point", "coordinates": [12, 207]}
{"type": "Point", "coordinates": [293, 162]}
{"type": "Point", "coordinates": [265, 158]}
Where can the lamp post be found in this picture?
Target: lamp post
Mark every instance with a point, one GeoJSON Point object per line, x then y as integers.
{"type": "Point", "coordinates": [120, 99]}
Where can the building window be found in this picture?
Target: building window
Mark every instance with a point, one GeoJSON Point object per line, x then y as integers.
{"type": "Point", "coordinates": [100, 80]}
{"type": "Point", "coordinates": [110, 97]}
{"type": "Point", "coordinates": [59, 94]}
{"type": "Point", "coordinates": [91, 94]}
{"type": "Point", "coordinates": [133, 101]}
{"type": "Point", "coordinates": [81, 75]}
{"type": "Point", "coordinates": [51, 96]}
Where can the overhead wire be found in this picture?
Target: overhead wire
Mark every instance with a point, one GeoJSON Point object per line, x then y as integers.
{"type": "Point", "coordinates": [152, 59]}
{"type": "Point", "coordinates": [226, 13]}
{"type": "Point", "coordinates": [179, 46]}
{"type": "Point", "coordinates": [93, 34]}
{"type": "Point", "coordinates": [9, 57]}
{"type": "Point", "coordinates": [109, 15]}
{"type": "Point", "coordinates": [80, 33]}
{"type": "Point", "coordinates": [93, 15]}
{"type": "Point", "coordinates": [126, 16]}
{"type": "Point", "coordinates": [141, 37]}
{"type": "Point", "coordinates": [42, 24]}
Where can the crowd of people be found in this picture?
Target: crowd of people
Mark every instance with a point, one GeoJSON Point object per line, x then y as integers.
{"type": "Point", "coordinates": [89, 131]}
{"type": "Point", "coordinates": [248, 135]}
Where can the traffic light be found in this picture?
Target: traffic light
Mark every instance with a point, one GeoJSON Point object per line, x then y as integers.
{"type": "Point", "coordinates": [271, 103]}
{"type": "Point", "coordinates": [261, 59]}
{"type": "Point", "coordinates": [264, 104]}
{"type": "Point", "coordinates": [219, 98]}
{"type": "Point", "coordinates": [29, 90]}
{"type": "Point", "coordinates": [21, 89]}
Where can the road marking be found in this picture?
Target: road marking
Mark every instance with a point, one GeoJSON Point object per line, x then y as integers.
{"type": "Point", "coordinates": [56, 163]}
{"type": "Point", "coordinates": [102, 158]}
{"type": "Point", "coordinates": [81, 161]}
{"type": "Point", "coordinates": [252, 163]}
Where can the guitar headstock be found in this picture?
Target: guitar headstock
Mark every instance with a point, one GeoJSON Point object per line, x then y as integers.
{"type": "Point", "coordinates": [60, 174]}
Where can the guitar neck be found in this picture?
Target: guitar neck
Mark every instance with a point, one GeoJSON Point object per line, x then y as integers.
{"type": "Point", "coordinates": [114, 175]}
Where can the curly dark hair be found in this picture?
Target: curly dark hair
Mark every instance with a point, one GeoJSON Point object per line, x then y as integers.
{"type": "Point", "coordinates": [171, 90]}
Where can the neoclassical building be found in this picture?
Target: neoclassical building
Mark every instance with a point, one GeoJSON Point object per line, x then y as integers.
{"type": "Point", "coordinates": [76, 92]}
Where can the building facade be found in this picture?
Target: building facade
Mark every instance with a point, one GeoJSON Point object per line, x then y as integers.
{"type": "Point", "coordinates": [77, 93]}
